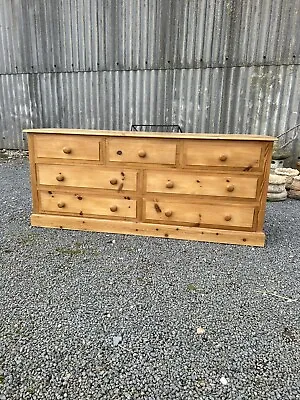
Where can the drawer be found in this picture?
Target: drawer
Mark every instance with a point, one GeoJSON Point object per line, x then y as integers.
{"type": "Point", "coordinates": [86, 204]}
{"type": "Point", "coordinates": [69, 147]}
{"type": "Point", "coordinates": [197, 183]}
{"type": "Point", "coordinates": [146, 151]}
{"type": "Point", "coordinates": [225, 215]}
{"type": "Point", "coordinates": [223, 153]}
{"type": "Point", "coordinates": [85, 176]}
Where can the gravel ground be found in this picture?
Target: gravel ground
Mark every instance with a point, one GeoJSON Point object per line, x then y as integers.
{"type": "Point", "coordinates": [103, 316]}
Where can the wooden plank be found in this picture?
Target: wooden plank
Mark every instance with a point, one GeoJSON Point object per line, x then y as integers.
{"type": "Point", "coordinates": [168, 135]}
{"type": "Point", "coordinates": [230, 154]}
{"type": "Point", "coordinates": [141, 151]}
{"type": "Point", "coordinates": [264, 185]}
{"type": "Point", "coordinates": [68, 147]}
{"type": "Point", "coordinates": [155, 230]}
{"type": "Point", "coordinates": [225, 215]}
{"type": "Point", "coordinates": [87, 204]}
{"type": "Point", "coordinates": [201, 184]}
{"type": "Point", "coordinates": [140, 183]}
{"type": "Point", "coordinates": [33, 178]}
{"type": "Point", "coordinates": [97, 192]}
{"type": "Point", "coordinates": [196, 199]}
{"type": "Point", "coordinates": [114, 179]}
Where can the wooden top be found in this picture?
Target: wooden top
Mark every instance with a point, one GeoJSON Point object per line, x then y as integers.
{"type": "Point", "coordinates": [169, 135]}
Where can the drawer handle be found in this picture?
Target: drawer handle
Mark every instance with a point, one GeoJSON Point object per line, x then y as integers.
{"type": "Point", "coordinates": [114, 181]}
{"type": "Point", "coordinates": [170, 185]}
{"type": "Point", "coordinates": [223, 157]}
{"type": "Point", "coordinates": [230, 188]}
{"type": "Point", "coordinates": [228, 217]}
{"type": "Point", "coordinates": [168, 213]}
{"type": "Point", "coordinates": [67, 150]}
{"type": "Point", "coordinates": [113, 208]}
{"type": "Point", "coordinates": [61, 204]}
{"type": "Point", "coordinates": [60, 178]}
{"type": "Point", "coordinates": [142, 153]}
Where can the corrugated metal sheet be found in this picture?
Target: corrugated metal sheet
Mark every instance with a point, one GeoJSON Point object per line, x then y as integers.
{"type": "Point", "coordinates": [92, 35]}
{"type": "Point", "coordinates": [207, 65]}
{"type": "Point", "coordinates": [260, 100]}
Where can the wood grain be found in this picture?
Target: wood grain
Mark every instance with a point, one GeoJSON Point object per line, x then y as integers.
{"type": "Point", "coordinates": [142, 151]}
{"type": "Point", "coordinates": [86, 204]}
{"type": "Point", "coordinates": [33, 178]}
{"type": "Point", "coordinates": [225, 215]}
{"type": "Point", "coordinates": [143, 229]}
{"type": "Point", "coordinates": [68, 147]}
{"type": "Point", "coordinates": [168, 135]}
{"type": "Point", "coordinates": [268, 147]}
{"type": "Point", "coordinates": [197, 183]}
{"type": "Point", "coordinates": [197, 187]}
{"type": "Point", "coordinates": [87, 176]}
{"type": "Point", "coordinates": [246, 155]}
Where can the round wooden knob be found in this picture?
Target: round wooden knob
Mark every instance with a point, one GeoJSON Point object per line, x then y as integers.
{"type": "Point", "coordinates": [114, 181]}
{"type": "Point", "coordinates": [60, 178]}
{"type": "Point", "coordinates": [223, 157]}
{"type": "Point", "coordinates": [228, 217]}
{"type": "Point", "coordinates": [230, 188]}
{"type": "Point", "coordinates": [142, 153]}
{"type": "Point", "coordinates": [113, 208]}
{"type": "Point", "coordinates": [61, 204]}
{"type": "Point", "coordinates": [67, 150]}
{"type": "Point", "coordinates": [168, 213]}
{"type": "Point", "coordinates": [170, 185]}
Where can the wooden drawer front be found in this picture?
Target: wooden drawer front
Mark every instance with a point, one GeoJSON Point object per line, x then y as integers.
{"type": "Point", "coordinates": [147, 151]}
{"type": "Point", "coordinates": [200, 214]}
{"type": "Point", "coordinates": [86, 204]}
{"type": "Point", "coordinates": [201, 184]}
{"type": "Point", "coordinates": [69, 147]}
{"type": "Point", "coordinates": [86, 176]}
{"type": "Point", "coordinates": [217, 153]}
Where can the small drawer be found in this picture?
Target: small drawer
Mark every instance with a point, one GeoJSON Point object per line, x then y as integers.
{"type": "Point", "coordinates": [68, 147]}
{"type": "Point", "coordinates": [146, 151]}
{"type": "Point", "coordinates": [86, 177]}
{"type": "Point", "coordinates": [201, 184]}
{"type": "Point", "coordinates": [224, 215]}
{"type": "Point", "coordinates": [223, 153]}
{"type": "Point", "coordinates": [86, 204]}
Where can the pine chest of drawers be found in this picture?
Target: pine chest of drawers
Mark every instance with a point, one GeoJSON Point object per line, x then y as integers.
{"type": "Point", "coordinates": [186, 186]}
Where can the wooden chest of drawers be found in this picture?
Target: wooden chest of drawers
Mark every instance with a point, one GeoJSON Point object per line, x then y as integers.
{"type": "Point", "coordinates": [185, 186]}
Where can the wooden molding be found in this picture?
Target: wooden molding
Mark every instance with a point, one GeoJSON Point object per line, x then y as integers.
{"type": "Point", "coordinates": [147, 229]}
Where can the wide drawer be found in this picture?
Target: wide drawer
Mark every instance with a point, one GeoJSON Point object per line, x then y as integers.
{"type": "Point", "coordinates": [224, 215]}
{"type": "Point", "coordinates": [86, 204]}
{"type": "Point", "coordinates": [85, 176]}
{"type": "Point", "coordinates": [223, 153]}
{"type": "Point", "coordinates": [70, 147]}
{"type": "Point", "coordinates": [195, 183]}
{"type": "Point", "coordinates": [149, 151]}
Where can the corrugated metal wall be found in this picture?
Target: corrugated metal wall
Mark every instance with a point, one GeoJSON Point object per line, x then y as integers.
{"type": "Point", "coordinates": [207, 65]}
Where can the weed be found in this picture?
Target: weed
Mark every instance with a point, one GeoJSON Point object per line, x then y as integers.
{"type": "Point", "coordinates": [192, 287]}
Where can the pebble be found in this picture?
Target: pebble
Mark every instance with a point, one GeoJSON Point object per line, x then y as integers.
{"type": "Point", "coordinates": [59, 312]}
{"type": "Point", "coordinates": [117, 340]}
{"type": "Point", "coordinates": [224, 381]}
